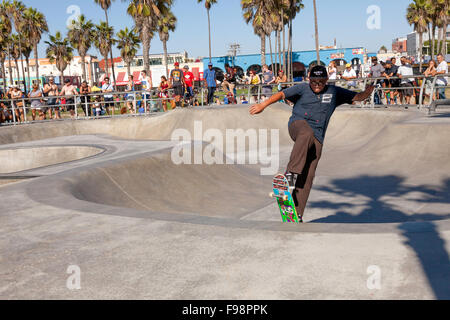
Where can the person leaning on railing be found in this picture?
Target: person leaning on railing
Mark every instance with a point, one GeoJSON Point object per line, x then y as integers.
{"type": "Point", "coordinates": [442, 82]}
{"type": "Point", "coordinates": [85, 90]}
{"type": "Point", "coordinates": [108, 97]}
{"type": "Point", "coordinates": [36, 102]}
{"type": "Point", "coordinates": [254, 81]}
{"type": "Point", "coordinates": [429, 81]}
{"type": "Point", "coordinates": [281, 78]}
{"type": "Point", "coordinates": [5, 114]}
{"type": "Point", "coordinates": [51, 91]}
{"type": "Point", "coordinates": [17, 102]}
{"type": "Point", "coordinates": [131, 95]}
{"type": "Point", "coordinates": [69, 92]}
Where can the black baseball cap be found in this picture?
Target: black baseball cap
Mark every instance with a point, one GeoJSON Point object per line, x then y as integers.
{"type": "Point", "coordinates": [318, 72]}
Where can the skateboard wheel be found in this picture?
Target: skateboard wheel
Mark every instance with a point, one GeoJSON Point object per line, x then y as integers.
{"type": "Point", "coordinates": [272, 195]}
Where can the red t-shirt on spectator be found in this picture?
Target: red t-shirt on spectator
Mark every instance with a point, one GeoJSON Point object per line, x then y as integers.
{"type": "Point", "coordinates": [189, 78]}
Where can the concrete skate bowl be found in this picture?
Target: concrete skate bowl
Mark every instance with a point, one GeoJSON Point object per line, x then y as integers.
{"type": "Point", "coordinates": [23, 159]}
{"type": "Point", "coordinates": [378, 169]}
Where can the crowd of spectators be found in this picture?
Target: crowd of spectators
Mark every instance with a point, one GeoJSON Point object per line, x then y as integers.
{"type": "Point", "coordinates": [394, 80]}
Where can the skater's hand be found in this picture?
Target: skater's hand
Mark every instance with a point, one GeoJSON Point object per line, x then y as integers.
{"type": "Point", "coordinates": [256, 109]}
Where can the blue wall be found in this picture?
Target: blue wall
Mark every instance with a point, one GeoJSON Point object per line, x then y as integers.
{"type": "Point", "coordinates": [306, 57]}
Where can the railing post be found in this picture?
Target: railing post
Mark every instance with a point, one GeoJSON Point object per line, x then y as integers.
{"type": "Point", "coordinates": [13, 105]}
{"type": "Point", "coordinates": [422, 88]}
{"type": "Point", "coordinates": [75, 106]}
{"type": "Point", "coordinates": [24, 110]}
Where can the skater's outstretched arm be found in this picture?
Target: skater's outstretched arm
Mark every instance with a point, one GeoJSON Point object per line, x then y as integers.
{"type": "Point", "coordinates": [364, 95]}
{"type": "Point", "coordinates": [258, 108]}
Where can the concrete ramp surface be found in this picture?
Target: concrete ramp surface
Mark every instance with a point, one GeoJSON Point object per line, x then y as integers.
{"type": "Point", "coordinates": [108, 197]}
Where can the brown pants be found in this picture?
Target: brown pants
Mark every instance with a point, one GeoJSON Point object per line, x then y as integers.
{"type": "Point", "coordinates": [304, 159]}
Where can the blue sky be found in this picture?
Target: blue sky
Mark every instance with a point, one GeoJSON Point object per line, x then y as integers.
{"type": "Point", "coordinates": [345, 20]}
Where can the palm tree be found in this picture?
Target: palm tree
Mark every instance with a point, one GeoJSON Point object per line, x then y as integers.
{"type": "Point", "coordinates": [316, 32]}
{"type": "Point", "coordinates": [166, 23]}
{"type": "Point", "coordinates": [416, 15]}
{"type": "Point", "coordinates": [35, 26]}
{"type": "Point", "coordinates": [128, 44]}
{"type": "Point", "coordinates": [3, 54]}
{"type": "Point", "coordinates": [59, 51]}
{"type": "Point", "coordinates": [105, 5]}
{"type": "Point", "coordinates": [292, 7]}
{"type": "Point", "coordinates": [6, 28]}
{"type": "Point", "coordinates": [208, 4]}
{"type": "Point", "coordinates": [433, 21]}
{"type": "Point", "coordinates": [81, 35]}
{"type": "Point", "coordinates": [443, 7]}
{"type": "Point", "coordinates": [4, 48]}
{"type": "Point", "coordinates": [16, 52]}
{"type": "Point", "coordinates": [16, 10]}
{"type": "Point", "coordinates": [145, 14]}
{"type": "Point", "coordinates": [104, 40]}
{"type": "Point", "coordinates": [27, 49]}
{"type": "Point", "coordinates": [258, 12]}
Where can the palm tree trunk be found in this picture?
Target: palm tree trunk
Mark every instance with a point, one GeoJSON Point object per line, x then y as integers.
{"type": "Point", "coordinates": [83, 68]}
{"type": "Point", "coordinates": [129, 69]}
{"type": "Point", "coordinates": [279, 51]}
{"type": "Point", "coordinates": [106, 65]}
{"type": "Point", "coordinates": [420, 51]}
{"type": "Point", "coordinates": [111, 54]}
{"type": "Point", "coordinates": [291, 73]}
{"type": "Point", "coordinates": [10, 66]}
{"type": "Point", "coordinates": [284, 41]}
{"type": "Point", "coordinates": [209, 31]}
{"type": "Point", "coordinates": [36, 61]}
{"type": "Point", "coordinates": [146, 50]}
{"type": "Point", "coordinates": [4, 76]}
{"type": "Point", "coordinates": [165, 58]}
{"type": "Point", "coordinates": [316, 31]}
{"type": "Point", "coordinates": [23, 75]}
{"type": "Point", "coordinates": [271, 52]}
{"type": "Point", "coordinates": [433, 37]}
{"type": "Point", "coordinates": [28, 72]}
{"type": "Point", "coordinates": [263, 49]}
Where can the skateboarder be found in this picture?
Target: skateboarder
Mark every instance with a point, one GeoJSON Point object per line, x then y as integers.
{"type": "Point", "coordinates": [314, 104]}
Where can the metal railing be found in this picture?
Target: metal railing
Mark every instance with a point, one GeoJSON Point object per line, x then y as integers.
{"type": "Point", "coordinates": [138, 103]}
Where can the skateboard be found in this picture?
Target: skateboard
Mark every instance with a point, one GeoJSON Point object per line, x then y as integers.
{"type": "Point", "coordinates": [284, 199]}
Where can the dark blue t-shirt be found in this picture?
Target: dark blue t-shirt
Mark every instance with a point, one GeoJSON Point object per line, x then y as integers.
{"type": "Point", "coordinates": [317, 109]}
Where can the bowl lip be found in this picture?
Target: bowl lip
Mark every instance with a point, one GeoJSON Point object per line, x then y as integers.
{"type": "Point", "coordinates": [60, 195]}
{"type": "Point", "coordinates": [101, 150]}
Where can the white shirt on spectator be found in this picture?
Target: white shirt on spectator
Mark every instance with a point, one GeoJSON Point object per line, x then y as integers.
{"type": "Point", "coordinates": [406, 70]}
{"type": "Point", "coordinates": [107, 87]}
{"type": "Point", "coordinates": [333, 74]}
{"type": "Point", "coordinates": [350, 74]}
{"type": "Point", "coordinates": [443, 66]}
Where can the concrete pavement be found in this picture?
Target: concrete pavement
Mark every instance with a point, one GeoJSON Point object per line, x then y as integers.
{"type": "Point", "coordinates": [140, 227]}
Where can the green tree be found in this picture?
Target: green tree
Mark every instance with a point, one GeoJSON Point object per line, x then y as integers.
{"type": "Point", "coordinates": [145, 14]}
{"type": "Point", "coordinates": [417, 15]}
{"type": "Point", "coordinates": [4, 48]}
{"type": "Point", "coordinates": [128, 44]}
{"type": "Point", "coordinates": [59, 52]}
{"type": "Point", "coordinates": [105, 5]}
{"type": "Point", "coordinates": [6, 24]}
{"type": "Point", "coordinates": [208, 4]}
{"type": "Point", "coordinates": [166, 24]}
{"type": "Point", "coordinates": [81, 36]}
{"type": "Point", "coordinates": [35, 26]}
{"type": "Point", "coordinates": [15, 10]}
{"type": "Point", "coordinates": [104, 40]}
{"type": "Point", "coordinates": [258, 12]}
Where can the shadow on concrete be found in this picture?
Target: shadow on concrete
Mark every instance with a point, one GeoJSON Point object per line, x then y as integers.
{"type": "Point", "coordinates": [422, 237]}
{"type": "Point", "coordinates": [429, 248]}
{"type": "Point", "coordinates": [370, 190]}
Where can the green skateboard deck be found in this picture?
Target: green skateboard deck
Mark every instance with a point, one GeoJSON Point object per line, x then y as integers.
{"type": "Point", "coordinates": [284, 199]}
